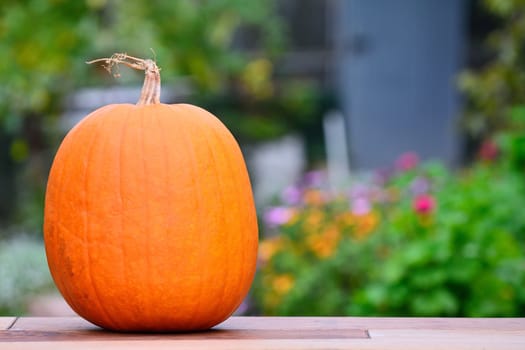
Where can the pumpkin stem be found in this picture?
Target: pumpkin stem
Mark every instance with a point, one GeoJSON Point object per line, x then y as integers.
{"type": "Point", "coordinates": [150, 93]}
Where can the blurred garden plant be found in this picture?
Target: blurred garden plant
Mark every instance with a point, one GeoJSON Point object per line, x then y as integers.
{"type": "Point", "coordinates": [418, 241]}
{"type": "Point", "coordinates": [23, 274]}
{"type": "Point", "coordinates": [225, 49]}
{"type": "Point", "coordinates": [492, 88]}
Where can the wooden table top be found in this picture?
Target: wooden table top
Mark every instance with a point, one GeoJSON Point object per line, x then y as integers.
{"type": "Point", "coordinates": [275, 333]}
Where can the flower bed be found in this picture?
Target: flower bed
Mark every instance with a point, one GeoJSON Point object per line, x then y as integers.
{"type": "Point", "coordinates": [418, 240]}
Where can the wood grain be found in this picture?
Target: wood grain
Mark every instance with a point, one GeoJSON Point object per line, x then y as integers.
{"type": "Point", "coordinates": [430, 339]}
{"type": "Point", "coordinates": [31, 329]}
{"type": "Point", "coordinates": [308, 323]}
{"type": "Point", "coordinates": [278, 333]}
{"type": "Point", "coordinates": [448, 323]}
{"type": "Point", "coordinates": [230, 334]}
{"type": "Point", "coordinates": [301, 323]}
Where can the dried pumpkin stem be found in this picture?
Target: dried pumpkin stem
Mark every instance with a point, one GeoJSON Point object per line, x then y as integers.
{"type": "Point", "coordinates": [150, 93]}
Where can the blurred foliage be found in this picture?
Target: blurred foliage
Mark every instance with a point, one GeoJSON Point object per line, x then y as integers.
{"type": "Point", "coordinates": [421, 241]}
{"type": "Point", "coordinates": [227, 49]}
{"type": "Point", "coordinates": [46, 43]}
{"type": "Point", "coordinates": [23, 272]}
{"type": "Point", "coordinates": [492, 89]}
{"type": "Point", "coordinates": [495, 112]}
{"type": "Point", "coordinates": [511, 142]}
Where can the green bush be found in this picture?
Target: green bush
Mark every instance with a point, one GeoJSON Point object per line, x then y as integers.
{"type": "Point", "coordinates": [423, 242]}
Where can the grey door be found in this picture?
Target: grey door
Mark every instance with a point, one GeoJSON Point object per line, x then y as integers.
{"type": "Point", "coordinates": [396, 67]}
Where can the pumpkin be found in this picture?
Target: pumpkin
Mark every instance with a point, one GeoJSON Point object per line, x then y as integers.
{"type": "Point", "coordinates": [149, 221]}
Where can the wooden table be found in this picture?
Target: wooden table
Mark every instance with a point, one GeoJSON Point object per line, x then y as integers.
{"type": "Point", "coordinates": [275, 333]}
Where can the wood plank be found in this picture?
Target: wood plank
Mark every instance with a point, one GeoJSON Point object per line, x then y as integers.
{"type": "Point", "coordinates": [227, 334]}
{"type": "Point", "coordinates": [305, 323]}
{"type": "Point", "coordinates": [6, 322]}
{"type": "Point", "coordinates": [429, 339]}
{"type": "Point", "coordinates": [444, 323]}
{"type": "Point", "coordinates": [279, 333]}
{"type": "Point", "coordinates": [308, 323]}
{"type": "Point", "coordinates": [40, 329]}
{"type": "Point", "coordinates": [388, 340]}
{"type": "Point", "coordinates": [259, 344]}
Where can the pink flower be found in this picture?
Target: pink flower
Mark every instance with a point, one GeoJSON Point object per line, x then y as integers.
{"type": "Point", "coordinates": [407, 161]}
{"type": "Point", "coordinates": [489, 151]}
{"type": "Point", "coordinates": [361, 206]}
{"type": "Point", "coordinates": [277, 216]}
{"type": "Point", "coordinates": [424, 204]}
{"type": "Point", "coordinates": [360, 199]}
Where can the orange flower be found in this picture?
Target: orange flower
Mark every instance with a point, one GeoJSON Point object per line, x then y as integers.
{"type": "Point", "coordinates": [332, 233]}
{"type": "Point", "coordinates": [282, 283]}
{"type": "Point", "coordinates": [313, 197]}
{"type": "Point", "coordinates": [346, 219]}
{"type": "Point", "coordinates": [365, 224]}
{"type": "Point", "coordinates": [313, 219]}
{"type": "Point", "coordinates": [268, 248]}
{"type": "Point", "coordinates": [323, 245]}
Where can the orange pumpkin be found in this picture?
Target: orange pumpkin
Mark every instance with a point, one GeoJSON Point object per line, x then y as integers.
{"type": "Point", "coordinates": [149, 220]}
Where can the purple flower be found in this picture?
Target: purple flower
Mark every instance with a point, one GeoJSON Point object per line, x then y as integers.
{"type": "Point", "coordinates": [291, 195]}
{"type": "Point", "coordinates": [314, 178]}
{"type": "Point", "coordinates": [359, 191]}
{"type": "Point", "coordinates": [361, 206]}
{"type": "Point", "coordinates": [381, 176]}
{"type": "Point", "coordinates": [419, 185]}
{"type": "Point", "coordinates": [277, 216]}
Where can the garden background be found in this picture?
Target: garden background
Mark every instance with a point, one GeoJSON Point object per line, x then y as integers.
{"type": "Point", "coordinates": [418, 234]}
